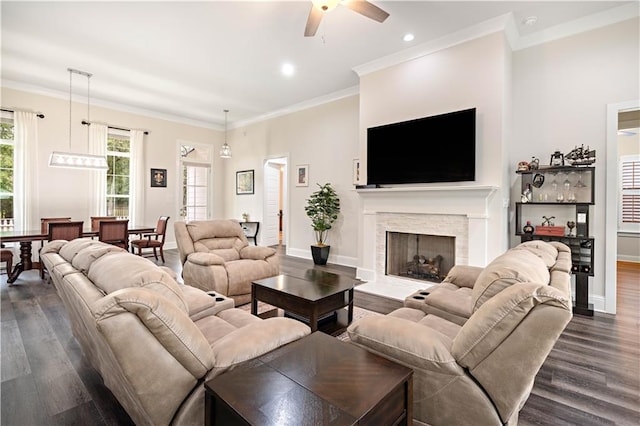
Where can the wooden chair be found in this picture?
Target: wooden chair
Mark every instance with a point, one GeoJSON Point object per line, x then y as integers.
{"type": "Point", "coordinates": [153, 240]}
{"type": "Point", "coordinates": [63, 230]}
{"type": "Point", "coordinates": [44, 223]}
{"type": "Point", "coordinates": [95, 221]}
{"type": "Point", "coordinates": [6, 255]}
{"type": "Point", "coordinates": [115, 232]}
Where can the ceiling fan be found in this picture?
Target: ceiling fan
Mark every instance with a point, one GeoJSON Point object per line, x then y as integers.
{"type": "Point", "coordinates": [319, 7]}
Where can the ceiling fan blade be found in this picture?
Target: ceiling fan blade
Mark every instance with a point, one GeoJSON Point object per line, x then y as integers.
{"type": "Point", "coordinates": [313, 21]}
{"type": "Point", "coordinates": [367, 9]}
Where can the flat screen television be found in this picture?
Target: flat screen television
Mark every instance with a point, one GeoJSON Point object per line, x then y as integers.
{"type": "Point", "coordinates": [439, 148]}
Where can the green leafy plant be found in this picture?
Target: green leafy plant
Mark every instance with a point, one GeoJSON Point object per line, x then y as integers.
{"type": "Point", "coordinates": [322, 208]}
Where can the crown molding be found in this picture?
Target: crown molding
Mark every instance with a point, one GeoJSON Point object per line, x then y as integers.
{"type": "Point", "coordinates": [506, 24]}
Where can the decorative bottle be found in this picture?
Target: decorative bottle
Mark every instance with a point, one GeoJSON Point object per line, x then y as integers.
{"type": "Point", "coordinates": [528, 228]}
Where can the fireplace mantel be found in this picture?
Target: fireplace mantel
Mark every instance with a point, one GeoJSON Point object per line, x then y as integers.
{"type": "Point", "coordinates": [480, 190]}
{"type": "Point", "coordinates": [457, 210]}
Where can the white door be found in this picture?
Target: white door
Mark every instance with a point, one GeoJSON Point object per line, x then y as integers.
{"type": "Point", "coordinates": [272, 220]}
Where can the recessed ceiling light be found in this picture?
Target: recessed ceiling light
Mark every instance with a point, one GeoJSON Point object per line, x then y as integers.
{"type": "Point", "coordinates": [408, 37]}
{"type": "Point", "coordinates": [288, 69]}
{"type": "Point", "coordinates": [530, 20]}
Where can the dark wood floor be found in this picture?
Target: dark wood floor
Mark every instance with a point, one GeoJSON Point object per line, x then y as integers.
{"type": "Point", "coordinates": [592, 376]}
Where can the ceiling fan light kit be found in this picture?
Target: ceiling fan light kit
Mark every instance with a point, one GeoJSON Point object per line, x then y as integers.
{"type": "Point", "coordinates": [319, 7]}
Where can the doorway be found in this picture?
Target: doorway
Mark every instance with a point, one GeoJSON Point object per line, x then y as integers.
{"type": "Point", "coordinates": [614, 114]}
{"type": "Point", "coordinates": [275, 211]}
{"type": "Point", "coordinates": [195, 181]}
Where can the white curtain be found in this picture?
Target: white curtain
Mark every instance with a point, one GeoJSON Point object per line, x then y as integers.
{"type": "Point", "coordinates": [137, 181]}
{"type": "Point", "coordinates": [25, 197]}
{"type": "Point", "coordinates": [98, 146]}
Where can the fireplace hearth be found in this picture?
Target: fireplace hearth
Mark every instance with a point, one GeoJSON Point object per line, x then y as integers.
{"type": "Point", "coordinates": [419, 256]}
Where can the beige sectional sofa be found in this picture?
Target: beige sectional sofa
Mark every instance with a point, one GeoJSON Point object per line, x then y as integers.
{"type": "Point", "coordinates": [154, 341]}
{"type": "Point", "coordinates": [216, 256]}
{"type": "Point", "coordinates": [479, 370]}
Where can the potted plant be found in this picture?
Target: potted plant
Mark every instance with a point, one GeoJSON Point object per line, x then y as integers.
{"type": "Point", "coordinates": [322, 208]}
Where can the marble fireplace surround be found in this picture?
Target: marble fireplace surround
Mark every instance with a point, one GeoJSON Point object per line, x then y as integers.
{"type": "Point", "coordinates": [457, 211]}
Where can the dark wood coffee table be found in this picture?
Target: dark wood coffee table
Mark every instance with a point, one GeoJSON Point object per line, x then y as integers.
{"type": "Point", "coordinates": [309, 297]}
{"type": "Point", "coordinates": [317, 380]}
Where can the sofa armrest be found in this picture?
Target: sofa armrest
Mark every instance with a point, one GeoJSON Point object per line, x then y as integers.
{"type": "Point", "coordinates": [255, 339]}
{"type": "Point", "coordinates": [257, 252]}
{"type": "Point", "coordinates": [463, 275]}
{"type": "Point", "coordinates": [408, 342]}
{"type": "Point", "coordinates": [168, 330]}
{"type": "Point", "coordinates": [205, 259]}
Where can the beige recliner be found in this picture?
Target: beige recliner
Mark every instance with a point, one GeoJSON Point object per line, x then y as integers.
{"type": "Point", "coordinates": [454, 300]}
{"type": "Point", "coordinates": [481, 372]}
{"type": "Point", "coordinates": [216, 256]}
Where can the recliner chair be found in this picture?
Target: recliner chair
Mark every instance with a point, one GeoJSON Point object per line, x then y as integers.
{"type": "Point", "coordinates": [480, 372]}
{"type": "Point", "coordinates": [216, 256]}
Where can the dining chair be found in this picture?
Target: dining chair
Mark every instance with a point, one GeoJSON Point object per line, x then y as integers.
{"type": "Point", "coordinates": [6, 255]}
{"type": "Point", "coordinates": [95, 221]}
{"type": "Point", "coordinates": [44, 223]}
{"type": "Point", "coordinates": [63, 230]}
{"type": "Point", "coordinates": [115, 232]}
{"type": "Point", "coordinates": [153, 240]}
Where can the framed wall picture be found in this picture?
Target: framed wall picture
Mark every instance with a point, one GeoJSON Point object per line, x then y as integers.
{"type": "Point", "coordinates": [158, 178]}
{"type": "Point", "coordinates": [356, 171]}
{"type": "Point", "coordinates": [244, 182]}
{"type": "Point", "coordinates": [302, 175]}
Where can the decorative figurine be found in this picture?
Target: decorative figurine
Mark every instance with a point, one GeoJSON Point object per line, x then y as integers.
{"type": "Point", "coordinates": [527, 195]}
{"type": "Point", "coordinates": [534, 164]}
{"type": "Point", "coordinates": [581, 156]}
{"type": "Point", "coordinates": [571, 224]}
{"type": "Point", "coordinates": [547, 221]}
{"type": "Point", "coordinates": [523, 166]}
{"type": "Point", "coordinates": [557, 159]}
{"type": "Point", "coordinates": [528, 228]}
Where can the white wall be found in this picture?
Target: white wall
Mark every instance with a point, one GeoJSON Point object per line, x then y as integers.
{"type": "Point", "coordinates": [472, 74]}
{"type": "Point", "coordinates": [65, 192]}
{"type": "Point", "coordinates": [561, 91]}
{"type": "Point", "coordinates": [324, 137]}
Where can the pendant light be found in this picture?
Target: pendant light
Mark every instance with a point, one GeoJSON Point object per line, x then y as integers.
{"type": "Point", "coordinates": [74, 160]}
{"type": "Point", "coordinates": [225, 151]}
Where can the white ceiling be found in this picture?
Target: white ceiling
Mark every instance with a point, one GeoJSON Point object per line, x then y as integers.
{"type": "Point", "coordinates": [191, 60]}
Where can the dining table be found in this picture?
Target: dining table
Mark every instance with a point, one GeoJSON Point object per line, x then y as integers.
{"type": "Point", "coordinates": [26, 238]}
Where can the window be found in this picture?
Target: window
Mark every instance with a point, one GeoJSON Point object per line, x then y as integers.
{"type": "Point", "coordinates": [118, 174]}
{"type": "Point", "coordinates": [6, 172]}
{"type": "Point", "coordinates": [629, 219]}
{"type": "Point", "coordinates": [196, 181]}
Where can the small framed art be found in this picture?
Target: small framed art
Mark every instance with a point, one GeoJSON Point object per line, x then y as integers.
{"type": "Point", "coordinates": [158, 178]}
{"type": "Point", "coordinates": [302, 175]}
{"type": "Point", "coordinates": [356, 171]}
{"type": "Point", "coordinates": [244, 182]}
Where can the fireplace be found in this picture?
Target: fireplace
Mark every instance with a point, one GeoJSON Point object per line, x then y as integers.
{"type": "Point", "coordinates": [423, 257]}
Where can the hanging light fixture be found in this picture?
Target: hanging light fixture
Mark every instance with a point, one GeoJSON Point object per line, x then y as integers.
{"type": "Point", "coordinates": [74, 160]}
{"type": "Point", "coordinates": [225, 151]}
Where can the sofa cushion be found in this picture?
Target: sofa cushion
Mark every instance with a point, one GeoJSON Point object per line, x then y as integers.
{"type": "Point", "coordinates": [514, 266]}
{"type": "Point", "coordinates": [85, 257]}
{"type": "Point", "coordinates": [118, 270]}
{"type": "Point", "coordinates": [545, 251]}
{"type": "Point", "coordinates": [71, 248]}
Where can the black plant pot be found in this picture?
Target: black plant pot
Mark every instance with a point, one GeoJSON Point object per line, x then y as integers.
{"type": "Point", "coordinates": [320, 254]}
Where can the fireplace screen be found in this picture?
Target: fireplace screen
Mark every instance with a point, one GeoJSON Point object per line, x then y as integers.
{"type": "Point", "coordinates": [419, 256]}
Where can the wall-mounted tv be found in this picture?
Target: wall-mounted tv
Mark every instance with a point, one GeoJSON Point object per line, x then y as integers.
{"type": "Point", "coordinates": [439, 148]}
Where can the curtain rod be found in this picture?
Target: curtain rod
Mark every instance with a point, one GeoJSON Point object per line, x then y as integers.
{"type": "Point", "coordinates": [86, 123]}
{"type": "Point", "coordinates": [38, 114]}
